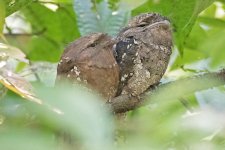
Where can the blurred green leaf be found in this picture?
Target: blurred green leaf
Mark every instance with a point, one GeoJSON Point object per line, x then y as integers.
{"type": "Point", "coordinates": [205, 26]}
{"type": "Point", "coordinates": [52, 31]}
{"type": "Point", "coordinates": [210, 11]}
{"type": "Point", "coordinates": [132, 4]}
{"type": "Point", "coordinates": [13, 6]}
{"type": "Point", "coordinates": [214, 47]}
{"type": "Point", "coordinates": [14, 110]}
{"type": "Point", "coordinates": [44, 21]}
{"type": "Point", "coordinates": [211, 98]}
{"type": "Point", "coordinates": [182, 13]}
{"type": "Point", "coordinates": [76, 112]}
{"type": "Point", "coordinates": [212, 22]}
{"type": "Point", "coordinates": [63, 1]}
{"type": "Point", "coordinates": [2, 16]}
{"type": "Point", "coordinates": [83, 115]}
{"type": "Point", "coordinates": [166, 124]}
{"type": "Point", "coordinates": [68, 24]}
{"type": "Point", "coordinates": [26, 139]}
{"type": "Point", "coordinates": [99, 17]}
{"type": "Point", "coordinates": [197, 35]}
{"type": "Point", "coordinates": [41, 48]}
{"type": "Point", "coordinates": [191, 56]}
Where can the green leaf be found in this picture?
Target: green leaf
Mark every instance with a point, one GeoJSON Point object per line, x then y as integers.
{"type": "Point", "coordinates": [213, 98]}
{"type": "Point", "coordinates": [68, 24]}
{"type": "Point", "coordinates": [182, 13]}
{"type": "Point", "coordinates": [87, 20]}
{"type": "Point", "coordinates": [13, 6]}
{"type": "Point", "coordinates": [132, 4]}
{"type": "Point", "coordinates": [63, 1]}
{"type": "Point", "coordinates": [191, 56]}
{"type": "Point", "coordinates": [44, 21]}
{"type": "Point", "coordinates": [197, 35]}
{"type": "Point", "coordinates": [214, 47]}
{"type": "Point", "coordinates": [210, 11]}
{"type": "Point", "coordinates": [111, 23]}
{"type": "Point", "coordinates": [83, 116]}
{"type": "Point", "coordinates": [98, 17]}
{"type": "Point", "coordinates": [205, 27]}
{"type": "Point", "coordinates": [2, 16]}
{"type": "Point", "coordinates": [42, 49]}
{"type": "Point", "coordinates": [13, 138]}
{"type": "Point", "coordinates": [212, 22]}
{"type": "Point", "coordinates": [52, 30]}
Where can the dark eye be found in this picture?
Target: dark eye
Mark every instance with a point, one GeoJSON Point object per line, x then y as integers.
{"type": "Point", "coordinates": [142, 24]}
{"type": "Point", "coordinates": [130, 37]}
{"type": "Point", "coordinates": [93, 45]}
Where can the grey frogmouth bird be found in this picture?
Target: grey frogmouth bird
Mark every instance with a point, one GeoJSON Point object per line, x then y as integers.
{"type": "Point", "coordinates": [142, 52]}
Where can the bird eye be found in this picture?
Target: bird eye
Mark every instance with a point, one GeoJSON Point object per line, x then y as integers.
{"type": "Point", "coordinates": [130, 37]}
{"type": "Point", "coordinates": [142, 24]}
{"type": "Point", "coordinates": [93, 44]}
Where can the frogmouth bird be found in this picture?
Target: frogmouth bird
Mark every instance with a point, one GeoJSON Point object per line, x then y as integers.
{"type": "Point", "coordinates": [142, 52]}
{"type": "Point", "coordinates": [90, 60]}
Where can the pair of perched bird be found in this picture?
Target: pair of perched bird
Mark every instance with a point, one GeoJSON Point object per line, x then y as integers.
{"type": "Point", "coordinates": [128, 64]}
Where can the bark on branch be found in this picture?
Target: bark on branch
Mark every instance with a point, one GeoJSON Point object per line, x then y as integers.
{"type": "Point", "coordinates": [172, 90]}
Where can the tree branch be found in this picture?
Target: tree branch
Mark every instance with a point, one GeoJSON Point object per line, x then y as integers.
{"type": "Point", "coordinates": [172, 90]}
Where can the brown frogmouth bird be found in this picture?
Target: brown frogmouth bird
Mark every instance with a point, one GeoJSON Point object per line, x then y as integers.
{"type": "Point", "coordinates": [142, 51]}
{"type": "Point", "coordinates": [90, 60]}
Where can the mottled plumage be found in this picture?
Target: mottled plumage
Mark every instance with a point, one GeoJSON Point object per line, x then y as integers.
{"type": "Point", "coordinates": [90, 60]}
{"type": "Point", "coordinates": [142, 51]}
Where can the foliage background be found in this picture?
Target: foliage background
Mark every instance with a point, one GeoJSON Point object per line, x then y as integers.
{"type": "Point", "coordinates": [40, 29]}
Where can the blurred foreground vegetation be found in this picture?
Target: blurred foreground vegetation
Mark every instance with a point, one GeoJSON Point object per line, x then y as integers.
{"type": "Point", "coordinates": [33, 34]}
